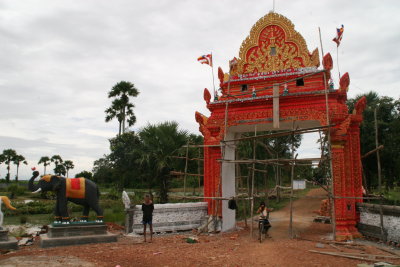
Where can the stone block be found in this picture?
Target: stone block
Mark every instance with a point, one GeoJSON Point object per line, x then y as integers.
{"type": "Point", "coordinates": [170, 217]}
{"type": "Point", "coordinates": [3, 235]}
{"type": "Point", "coordinates": [370, 223]}
{"type": "Point", "coordinates": [77, 230]}
{"type": "Point", "coordinates": [10, 243]}
{"type": "Point", "coordinates": [46, 241]}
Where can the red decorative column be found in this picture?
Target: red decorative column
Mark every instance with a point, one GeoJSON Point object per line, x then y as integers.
{"type": "Point", "coordinates": [212, 177]}
{"type": "Point", "coordinates": [346, 163]}
{"type": "Point", "coordinates": [356, 168]}
{"type": "Point", "coordinates": [339, 183]}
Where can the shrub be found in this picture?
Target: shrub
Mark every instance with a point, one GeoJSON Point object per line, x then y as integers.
{"type": "Point", "coordinates": [113, 194]}
{"type": "Point", "coordinates": [16, 190]}
{"type": "Point", "coordinates": [23, 219]}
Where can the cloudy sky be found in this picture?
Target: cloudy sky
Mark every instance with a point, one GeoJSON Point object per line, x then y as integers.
{"type": "Point", "coordinates": [60, 58]}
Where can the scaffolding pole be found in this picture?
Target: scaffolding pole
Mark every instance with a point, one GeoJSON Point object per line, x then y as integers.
{"type": "Point", "coordinates": [378, 161]}
{"type": "Point", "coordinates": [186, 167]}
{"type": "Point", "coordinates": [283, 133]}
{"type": "Point", "coordinates": [271, 161]}
{"type": "Point", "coordinates": [252, 183]}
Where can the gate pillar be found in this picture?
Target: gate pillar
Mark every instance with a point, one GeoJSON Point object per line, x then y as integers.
{"type": "Point", "coordinates": [212, 177]}
{"type": "Point", "coordinates": [347, 178]}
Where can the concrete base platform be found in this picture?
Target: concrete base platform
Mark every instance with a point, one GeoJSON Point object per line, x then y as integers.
{"type": "Point", "coordinates": [76, 230]}
{"type": "Point", "coordinates": [11, 243]}
{"type": "Point", "coordinates": [46, 241]}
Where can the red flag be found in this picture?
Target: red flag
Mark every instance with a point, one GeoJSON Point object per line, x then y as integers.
{"type": "Point", "coordinates": [339, 35]}
{"type": "Point", "coordinates": [205, 59]}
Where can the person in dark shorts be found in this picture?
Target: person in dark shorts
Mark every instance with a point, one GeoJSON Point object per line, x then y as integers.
{"type": "Point", "coordinates": [147, 208]}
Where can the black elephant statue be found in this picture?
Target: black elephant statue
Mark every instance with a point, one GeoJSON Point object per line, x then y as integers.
{"type": "Point", "coordinates": [80, 191]}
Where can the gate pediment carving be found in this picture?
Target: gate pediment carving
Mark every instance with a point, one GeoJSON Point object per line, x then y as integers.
{"type": "Point", "coordinates": [274, 44]}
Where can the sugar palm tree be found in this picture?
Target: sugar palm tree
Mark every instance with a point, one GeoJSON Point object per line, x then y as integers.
{"type": "Point", "coordinates": [115, 111]}
{"type": "Point", "coordinates": [18, 159]}
{"type": "Point", "coordinates": [158, 143]}
{"type": "Point", "coordinates": [68, 165]}
{"type": "Point", "coordinates": [57, 160]}
{"type": "Point", "coordinates": [45, 161]}
{"type": "Point", "coordinates": [121, 108]}
{"type": "Point", "coordinates": [8, 156]}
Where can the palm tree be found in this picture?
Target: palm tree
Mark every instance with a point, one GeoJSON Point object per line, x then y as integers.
{"type": "Point", "coordinates": [115, 111]}
{"type": "Point", "coordinates": [121, 108]}
{"type": "Point", "coordinates": [45, 161]}
{"type": "Point", "coordinates": [57, 161]}
{"type": "Point", "coordinates": [18, 159]}
{"type": "Point", "coordinates": [159, 142]}
{"type": "Point", "coordinates": [68, 165]}
{"type": "Point", "coordinates": [8, 155]}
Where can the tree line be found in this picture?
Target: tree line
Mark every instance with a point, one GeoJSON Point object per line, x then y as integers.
{"type": "Point", "coordinates": [388, 121]}
{"type": "Point", "coordinates": [10, 156]}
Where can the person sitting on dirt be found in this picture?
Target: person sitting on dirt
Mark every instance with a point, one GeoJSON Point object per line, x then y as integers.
{"type": "Point", "coordinates": [147, 208]}
{"type": "Point", "coordinates": [263, 216]}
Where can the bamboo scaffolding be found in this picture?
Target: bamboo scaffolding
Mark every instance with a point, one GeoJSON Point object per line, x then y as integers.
{"type": "Point", "coordinates": [211, 198]}
{"type": "Point", "coordinates": [283, 133]}
{"type": "Point", "coordinates": [200, 146]}
{"type": "Point", "coordinates": [378, 161]}
{"type": "Point", "coordinates": [248, 193]}
{"type": "Point", "coordinates": [375, 150]}
{"type": "Point", "coordinates": [177, 157]}
{"type": "Point", "coordinates": [183, 173]}
{"type": "Point", "coordinates": [266, 161]}
{"type": "Point", "coordinates": [258, 170]}
{"type": "Point", "coordinates": [252, 183]}
{"type": "Point", "coordinates": [291, 187]}
{"type": "Point", "coordinates": [245, 197]}
{"type": "Point", "coordinates": [186, 167]}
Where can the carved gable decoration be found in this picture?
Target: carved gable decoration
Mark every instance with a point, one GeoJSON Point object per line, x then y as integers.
{"type": "Point", "coordinates": [273, 44]}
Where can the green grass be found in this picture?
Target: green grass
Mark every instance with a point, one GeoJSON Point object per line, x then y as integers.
{"type": "Point", "coordinates": [37, 219]}
{"type": "Point", "coordinates": [110, 215]}
{"type": "Point", "coordinates": [392, 197]}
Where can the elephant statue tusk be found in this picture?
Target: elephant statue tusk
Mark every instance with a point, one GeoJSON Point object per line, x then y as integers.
{"type": "Point", "coordinates": [37, 191]}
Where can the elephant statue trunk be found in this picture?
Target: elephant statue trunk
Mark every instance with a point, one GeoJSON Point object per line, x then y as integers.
{"type": "Point", "coordinates": [32, 187]}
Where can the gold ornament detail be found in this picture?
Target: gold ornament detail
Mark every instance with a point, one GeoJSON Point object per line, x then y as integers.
{"type": "Point", "coordinates": [274, 44]}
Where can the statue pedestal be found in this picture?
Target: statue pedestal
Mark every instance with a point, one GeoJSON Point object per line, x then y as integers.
{"type": "Point", "coordinates": [76, 234]}
{"type": "Point", "coordinates": [7, 242]}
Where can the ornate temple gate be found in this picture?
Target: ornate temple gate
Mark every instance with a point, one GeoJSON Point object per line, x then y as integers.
{"type": "Point", "coordinates": [275, 54]}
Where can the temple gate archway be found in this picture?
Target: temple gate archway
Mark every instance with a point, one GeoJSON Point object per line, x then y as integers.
{"type": "Point", "coordinates": [275, 54]}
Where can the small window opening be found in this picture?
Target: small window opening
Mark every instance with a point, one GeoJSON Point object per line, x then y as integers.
{"type": "Point", "coordinates": [244, 87]}
{"type": "Point", "coordinates": [300, 82]}
{"type": "Point", "coordinates": [273, 51]}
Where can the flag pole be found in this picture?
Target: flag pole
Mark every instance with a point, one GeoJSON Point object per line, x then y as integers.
{"type": "Point", "coordinates": [320, 41]}
{"type": "Point", "coordinates": [212, 73]}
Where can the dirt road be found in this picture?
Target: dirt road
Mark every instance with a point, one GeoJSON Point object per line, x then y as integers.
{"type": "Point", "coordinates": [226, 249]}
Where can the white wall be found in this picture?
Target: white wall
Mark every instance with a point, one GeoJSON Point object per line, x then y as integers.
{"type": "Point", "coordinates": [228, 186]}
